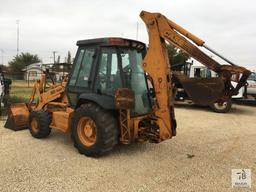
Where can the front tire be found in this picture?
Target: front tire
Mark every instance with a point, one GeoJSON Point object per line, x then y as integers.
{"type": "Point", "coordinates": [221, 107]}
{"type": "Point", "coordinates": [39, 122]}
{"type": "Point", "coordinates": [94, 130]}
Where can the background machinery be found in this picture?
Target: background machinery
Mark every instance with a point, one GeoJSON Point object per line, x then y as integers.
{"type": "Point", "coordinates": [107, 99]}
{"type": "Point", "coordinates": [214, 92]}
{"type": "Point", "coordinates": [197, 70]}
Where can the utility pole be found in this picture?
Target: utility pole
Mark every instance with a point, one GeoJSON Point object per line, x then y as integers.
{"type": "Point", "coordinates": [2, 51]}
{"type": "Point", "coordinates": [54, 52]}
{"type": "Point", "coordinates": [137, 31]}
{"type": "Point", "coordinates": [18, 35]}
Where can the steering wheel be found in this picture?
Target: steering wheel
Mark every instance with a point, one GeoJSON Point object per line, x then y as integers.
{"type": "Point", "coordinates": [102, 76]}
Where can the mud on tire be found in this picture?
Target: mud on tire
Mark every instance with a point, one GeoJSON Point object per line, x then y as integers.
{"type": "Point", "coordinates": [105, 129]}
{"type": "Point", "coordinates": [39, 122]}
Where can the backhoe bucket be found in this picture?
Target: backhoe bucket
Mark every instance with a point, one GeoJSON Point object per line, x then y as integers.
{"type": "Point", "coordinates": [17, 117]}
{"type": "Point", "coordinates": [202, 91]}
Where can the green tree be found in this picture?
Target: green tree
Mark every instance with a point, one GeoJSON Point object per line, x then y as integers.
{"type": "Point", "coordinates": [4, 68]}
{"type": "Point", "coordinates": [176, 56]}
{"type": "Point", "coordinates": [19, 62]}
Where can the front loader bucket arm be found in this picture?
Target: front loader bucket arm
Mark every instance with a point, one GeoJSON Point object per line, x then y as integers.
{"type": "Point", "coordinates": [18, 115]}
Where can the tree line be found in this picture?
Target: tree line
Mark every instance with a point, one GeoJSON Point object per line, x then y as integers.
{"type": "Point", "coordinates": [22, 60]}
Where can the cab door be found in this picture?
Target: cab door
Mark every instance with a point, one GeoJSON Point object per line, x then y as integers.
{"type": "Point", "coordinates": [82, 73]}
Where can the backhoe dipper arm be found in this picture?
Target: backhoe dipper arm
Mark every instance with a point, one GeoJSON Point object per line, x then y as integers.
{"type": "Point", "coordinates": [178, 36]}
{"type": "Point", "coordinates": [156, 64]}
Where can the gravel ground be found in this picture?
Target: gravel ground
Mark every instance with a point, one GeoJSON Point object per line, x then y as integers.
{"type": "Point", "coordinates": [199, 158]}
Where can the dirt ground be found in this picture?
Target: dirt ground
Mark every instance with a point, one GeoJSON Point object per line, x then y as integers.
{"type": "Point", "coordinates": [200, 158]}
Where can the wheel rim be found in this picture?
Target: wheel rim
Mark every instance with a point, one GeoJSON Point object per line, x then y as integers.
{"type": "Point", "coordinates": [86, 130]}
{"type": "Point", "coordinates": [34, 125]}
{"type": "Point", "coordinates": [221, 105]}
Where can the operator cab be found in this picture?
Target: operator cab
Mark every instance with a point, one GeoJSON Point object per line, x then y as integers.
{"type": "Point", "coordinates": [104, 65]}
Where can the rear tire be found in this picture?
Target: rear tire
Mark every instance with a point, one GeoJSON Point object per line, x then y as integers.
{"type": "Point", "coordinates": [39, 122]}
{"type": "Point", "coordinates": [94, 130]}
{"type": "Point", "coordinates": [222, 108]}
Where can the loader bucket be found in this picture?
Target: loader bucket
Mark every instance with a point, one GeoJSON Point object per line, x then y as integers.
{"type": "Point", "coordinates": [17, 117]}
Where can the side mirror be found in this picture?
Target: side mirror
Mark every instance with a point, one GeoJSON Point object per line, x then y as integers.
{"type": "Point", "coordinates": [124, 98]}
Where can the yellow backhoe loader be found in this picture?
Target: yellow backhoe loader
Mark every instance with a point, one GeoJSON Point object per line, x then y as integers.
{"type": "Point", "coordinates": [107, 99]}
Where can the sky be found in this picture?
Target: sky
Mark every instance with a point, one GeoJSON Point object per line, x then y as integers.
{"type": "Point", "coordinates": [227, 26]}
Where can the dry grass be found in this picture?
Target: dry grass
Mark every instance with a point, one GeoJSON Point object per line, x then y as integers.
{"type": "Point", "coordinates": [20, 92]}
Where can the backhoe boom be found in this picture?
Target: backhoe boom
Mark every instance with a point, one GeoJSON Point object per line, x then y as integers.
{"type": "Point", "coordinates": [167, 30]}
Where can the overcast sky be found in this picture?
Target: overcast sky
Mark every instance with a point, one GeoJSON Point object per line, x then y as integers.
{"type": "Point", "coordinates": [228, 26]}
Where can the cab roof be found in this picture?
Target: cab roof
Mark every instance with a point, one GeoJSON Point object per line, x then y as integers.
{"type": "Point", "coordinates": [111, 41]}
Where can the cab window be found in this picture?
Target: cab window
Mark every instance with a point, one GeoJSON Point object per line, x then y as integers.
{"type": "Point", "coordinates": [108, 77]}
{"type": "Point", "coordinates": [83, 65]}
